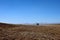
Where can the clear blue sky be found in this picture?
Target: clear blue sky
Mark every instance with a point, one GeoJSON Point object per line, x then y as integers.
{"type": "Point", "coordinates": [30, 11]}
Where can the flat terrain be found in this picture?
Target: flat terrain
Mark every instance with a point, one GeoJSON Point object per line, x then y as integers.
{"type": "Point", "coordinates": [29, 32]}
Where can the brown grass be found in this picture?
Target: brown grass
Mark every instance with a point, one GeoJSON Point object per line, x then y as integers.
{"type": "Point", "coordinates": [29, 32]}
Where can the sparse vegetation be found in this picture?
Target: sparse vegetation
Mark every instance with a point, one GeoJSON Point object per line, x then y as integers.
{"type": "Point", "coordinates": [29, 32]}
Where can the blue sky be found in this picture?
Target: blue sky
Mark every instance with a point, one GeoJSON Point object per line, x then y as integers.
{"type": "Point", "coordinates": [30, 11]}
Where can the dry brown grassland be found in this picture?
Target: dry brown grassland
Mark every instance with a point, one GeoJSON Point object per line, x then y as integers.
{"type": "Point", "coordinates": [29, 32]}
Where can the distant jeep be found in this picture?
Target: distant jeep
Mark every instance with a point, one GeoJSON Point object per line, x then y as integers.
{"type": "Point", "coordinates": [37, 23]}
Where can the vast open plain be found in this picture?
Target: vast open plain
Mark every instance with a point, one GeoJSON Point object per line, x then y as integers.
{"type": "Point", "coordinates": [29, 32]}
